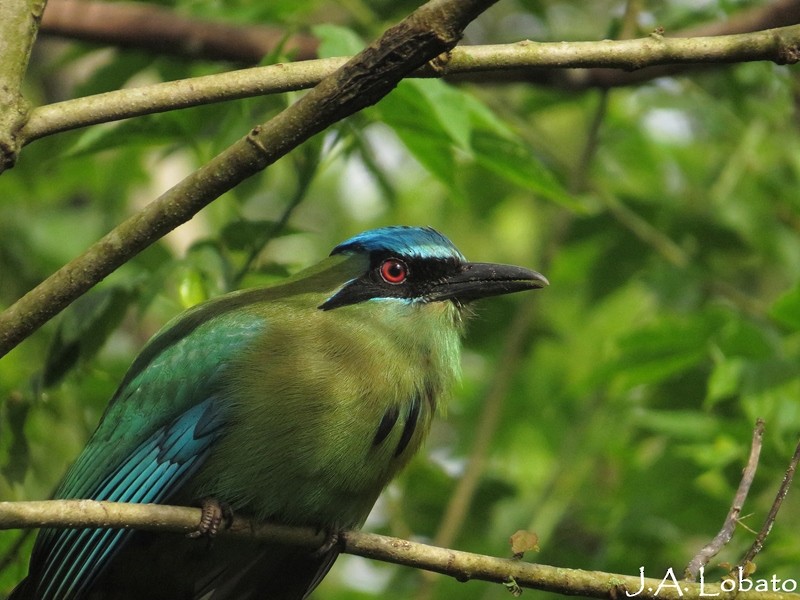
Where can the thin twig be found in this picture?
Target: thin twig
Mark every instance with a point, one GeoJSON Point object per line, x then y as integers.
{"type": "Point", "coordinates": [19, 23]}
{"type": "Point", "coordinates": [644, 230]}
{"type": "Point", "coordinates": [758, 543]}
{"type": "Point", "coordinates": [578, 175]}
{"type": "Point", "coordinates": [460, 565]}
{"type": "Point", "coordinates": [724, 536]}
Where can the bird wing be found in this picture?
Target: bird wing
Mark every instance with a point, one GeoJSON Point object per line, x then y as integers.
{"type": "Point", "coordinates": [158, 430]}
{"type": "Point", "coordinates": [266, 571]}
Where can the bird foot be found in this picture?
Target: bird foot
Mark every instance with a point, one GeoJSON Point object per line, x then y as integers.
{"type": "Point", "coordinates": [214, 513]}
{"type": "Point", "coordinates": [331, 540]}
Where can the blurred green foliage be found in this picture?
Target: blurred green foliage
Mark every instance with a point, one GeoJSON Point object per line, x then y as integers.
{"type": "Point", "coordinates": [672, 245]}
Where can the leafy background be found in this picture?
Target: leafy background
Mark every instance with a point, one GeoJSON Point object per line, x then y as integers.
{"type": "Point", "coordinates": [665, 215]}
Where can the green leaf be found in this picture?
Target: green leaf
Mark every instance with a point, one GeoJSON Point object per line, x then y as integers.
{"type": "Point", "coordinates": [741, 337]}
{"type": "Point", "coordinates": [412, 117]}
{"type": "Point", "coordinates": [664, 349]}
{"type": "Point", "coordinates": [335, 41]}
{"type": "Point", "coordinates": [83, 329]}
{"type": "Point", "coordinates": [434, 120]}
{"type": "Point", "coordinates": [786, 309]}
{"type": "Point", "coordinates": [498, 148]}
{"type": "Point", "coordinates": [15, 413]}
{"type": "Point", "coordinates": [679, 424]}
{"type": "Point", "coordinates": [150, 130]}
{"type": "Point", "coordinates": [246, 234]}
{"type": "Point", "coordinates": [113, 75]}
{"type": "Point", "coordinates": [192, 287]}
{"type": "Point", "coordinates": [512, 160]}
{"type": "Point", "coordinates": [205, 272]}
{"type": "Point", "coordinates": [450, 106]}
{"type": "Point", "coordinates": [725, 380]}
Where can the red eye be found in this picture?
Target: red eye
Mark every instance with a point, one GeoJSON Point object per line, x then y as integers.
{"type": "Point", "coordinates": [394, 271]}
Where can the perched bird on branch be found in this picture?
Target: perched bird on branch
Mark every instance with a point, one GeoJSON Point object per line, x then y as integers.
{"type": "Point", "coordinates": [297, 402]}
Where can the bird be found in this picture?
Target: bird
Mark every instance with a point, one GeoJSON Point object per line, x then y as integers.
{"type": "Point", "coordinates": [295, 403]}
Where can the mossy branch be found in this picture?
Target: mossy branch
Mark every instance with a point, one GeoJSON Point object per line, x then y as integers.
{"type": "Point", "coordinates": [19, 23]}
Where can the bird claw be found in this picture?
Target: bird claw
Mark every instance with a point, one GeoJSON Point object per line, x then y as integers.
{"type": "Point", "coordinates": [331, 540]}
{"type": "Point", "coordinates": [214, 513]}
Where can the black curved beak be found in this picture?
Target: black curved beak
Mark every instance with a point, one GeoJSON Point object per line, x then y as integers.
{"type": "Point", "coordinates": [481, 280]}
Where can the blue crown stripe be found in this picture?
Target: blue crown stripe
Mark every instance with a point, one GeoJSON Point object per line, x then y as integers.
{"type": "Point", "coordinates": [414, 242]}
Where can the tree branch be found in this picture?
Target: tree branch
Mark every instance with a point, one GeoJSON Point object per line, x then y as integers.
{"type": "Point", "coordinates": [780, 13]}
{"type": "Point", "coordinates": [19, 22]}
{"type": "Point", "coordinates": [134, 102]}
{"type": "Point", "coordinates": [726, 533]}
{"type": "Point", "coordinates": [778, 45]}
{"type": "Point", "coordinates": [161, 30]}
{"type": "Point", "coordinates": [429, 31]}
{"type": "Point", "coordinates": [758, 543]}
{"type": "Point", "coordinates": [461, 565]}
{"type": "Point", "coordinates": [120, 24]}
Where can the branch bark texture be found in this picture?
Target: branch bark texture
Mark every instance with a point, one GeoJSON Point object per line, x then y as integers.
{"type": "Point", "coordinates": [428, 32]}
{"type": "Point", "coordinates": [460, 565]}
{"type": "Point", "coordinates": [766, 527]}
{"type": "Point", "coordinates": [19, 22]}
{"type": "Point", "coordinates": [780, 45]}
{"type": "Point", "coordinates": [131, 25]}
{"type": "Point", "coordinates": [724, 536]}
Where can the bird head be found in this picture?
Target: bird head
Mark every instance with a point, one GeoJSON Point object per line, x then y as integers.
{"type": "Point", "coordinates": [420, 265]}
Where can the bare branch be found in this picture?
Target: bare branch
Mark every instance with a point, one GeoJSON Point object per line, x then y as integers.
{"type": "Point", "coordinates": [120, 24]}
{"type": "Point", "coordinates": [19, 22]}
{"type": "Point", "coordinates": [780, 13]}
{"type": "Point", "coordinates": [758, 543]}
{"type": "Point", "coordinates": [724, 536]}
{"type": "Point", "coordinates": [162, 30]}
{"type": "Point", "coordinates": [777, 45]}
{"type": "Point", "coordinates": [460, 565]}
{"type": "Point", "coordinates": [133, 102]}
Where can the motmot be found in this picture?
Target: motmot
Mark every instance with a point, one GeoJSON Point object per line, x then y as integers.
{"type": "Point", "coordinates": [296, 402]}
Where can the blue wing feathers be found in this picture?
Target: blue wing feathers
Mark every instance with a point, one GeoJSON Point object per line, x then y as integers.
{"type": "Point", "coordinates": [133, 459]}
{"type": "Point", "coordinates": [77, 574]}
{"type": "Point", "coordinates": [155, 469]}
